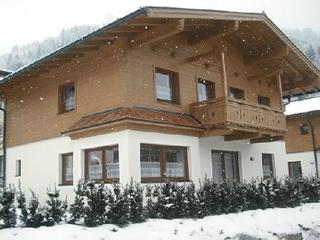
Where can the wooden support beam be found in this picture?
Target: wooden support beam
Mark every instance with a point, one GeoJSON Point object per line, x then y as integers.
{"type": "Point", "coordinates": [224, 73]}
{"type": "Point", "coordinates": [279, 83]}
{"type": "Point", "coordinates": [156, 34]}
{"type": "Point", "coordinates": [269, 56]}
{"type": "Point", "coordinates": [147, 21]}
{"type": "Point", "coordinates": [241, 136]}
{"type": "Point", "coordinates": [267, 139]}
{"type": "Point", "coordinates": [302, 84]}
{"type": "Point", "coordinates": [69, 55]}
{"type": "Point", "coordinates": [216, 36]}
{"type": "Point", "coordinates": [290, 65]}
{"type": "Point", "coordinates": [264, 76]}
{"type": "Point", "coordinates": [200, 56]}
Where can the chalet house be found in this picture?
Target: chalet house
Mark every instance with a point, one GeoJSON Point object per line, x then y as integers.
{"type": "Point", "coordinates": [303, 142]}
{"type": "Point", "coordinates": [161, 93]}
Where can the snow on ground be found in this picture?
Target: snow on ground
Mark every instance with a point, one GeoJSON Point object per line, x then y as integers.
{"type": "Point", "coordinates": [307, 105]}
{"type": "Point", "coordinates": [265, 224]}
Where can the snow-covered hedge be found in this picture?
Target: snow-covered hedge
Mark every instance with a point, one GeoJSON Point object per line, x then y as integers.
{"type": "Point", "coordinates": [96, 204]}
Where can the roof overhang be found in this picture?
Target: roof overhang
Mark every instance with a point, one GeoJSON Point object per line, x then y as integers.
{"type": "Point", "coordinates": [145, 25]}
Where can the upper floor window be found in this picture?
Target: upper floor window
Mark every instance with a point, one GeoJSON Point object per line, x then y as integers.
{"type": "Point", "coordinates": [206, 90]}
{"type": "Point", "coordinates": [304, 129]}
{"type": "Point", "coordinates": [102, 164]}
{"type": "Point", "coordinates": [158, 162]}
{"type": "Point", "coordinates": [67, 98]}
{"type": "Point", "coordinates": [262, 100]}
{"type": "Point", "coordinates": [67, 168]}
{"type": "Point", "coordinates": [236, 93]}
{"type": "Point", "coordinates": [167, 85]}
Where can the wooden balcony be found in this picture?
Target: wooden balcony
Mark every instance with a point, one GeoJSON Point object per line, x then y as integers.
{"type": "Point", "coordinates": [232, 115]}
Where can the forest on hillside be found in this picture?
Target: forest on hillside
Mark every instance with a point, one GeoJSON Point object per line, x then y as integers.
{"type": "Point", "coordinates": [307, 40]}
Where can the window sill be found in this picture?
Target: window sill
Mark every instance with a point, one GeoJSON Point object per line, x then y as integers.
{"type": "Point", "coordinates": [66, 112]}
{"type": "Point", "coordinates": [65, 184]}
{"type": "Point", "coordinates": [165, 102]}
{"type": "Point", "coordinates": [161, 180]}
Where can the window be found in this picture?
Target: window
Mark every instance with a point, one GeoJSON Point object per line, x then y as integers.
{"type": "Point", "coordinates": [167, 86]}
{"type": "Point", "coordinates": [263, 100]}
{"type": "Point", "coordinates": [67, 169]}
{"type": "Point", "coordinates": [295, 169]}
{"type": "Point", "coordinates": [225, 166]}
{"type": "Point", "coordinates": [66, 98]}
{"type": "Point", "coordinates": [206, 90]}
{"type": "Point", "coordinates": [18, 168]}
{"type": "Point", "coordinates": [236, 93]}
{"type": "Point", "coordinates": [267, 165]}
{"type": "Point", "coordinates": [158, 162]}
{"type": "Point", "coordinates": [304, 129]}
{"type": "Point", "coordinates": [102, 164]}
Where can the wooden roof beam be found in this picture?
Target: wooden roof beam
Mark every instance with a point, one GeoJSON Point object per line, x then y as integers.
{"type": "Point", "coordinates": [241, 136]}
{"type": "Point", "coordinates": [200, 56]}
{"type": "Point", "coordinates": [80, 49]}
{"type": "Point", "coordinates": [270, 56]}
{"type": "Point", "coordinates": [260, 77]}
{"type": "Point", "coordinates": [156, 34]}
{"type": "Point", "coordinates": [215, 37]}
{"type": "Point", "coordinates": [302, 84]}
{"type": "Point", "coordinates": [69, 55]}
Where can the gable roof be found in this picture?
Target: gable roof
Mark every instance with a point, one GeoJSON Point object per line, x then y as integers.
{"type": "Point", "coordinates": [264, 35]}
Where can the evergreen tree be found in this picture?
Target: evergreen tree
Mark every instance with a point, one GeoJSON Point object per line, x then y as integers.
{"type": "Point", "coordinates": [118, 206]}
{"type": "Point", "coordinates": [36, 216]}
{"type": "Point", "coordinates": [21, 199]}
{"type": "Point", "coordinates": [135, 198]}
{"type": "Point", "coordinates": [55, 210]}
{"type": "Point", "coordinates": [95, 209]}
{"type": "Point", "coordinates": [310, 52]}
{"type": "Point", "coordinates": [77, 208]}
{"type": "Point", "coordinates": [8, 211]}
{"type": "Point", "coordinates": [191, 204]}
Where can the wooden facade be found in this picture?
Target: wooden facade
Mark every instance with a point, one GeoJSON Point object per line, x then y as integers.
{"type": "Point", "coordinates": [298, 140]}
{"type": "Point", "coordinates": [115, 67]}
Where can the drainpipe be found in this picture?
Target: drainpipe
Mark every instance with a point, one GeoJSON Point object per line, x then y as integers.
{"type": "Point", "coordinates": [4, 145]}
{"type": "Point", "coordinates": [314, 145]}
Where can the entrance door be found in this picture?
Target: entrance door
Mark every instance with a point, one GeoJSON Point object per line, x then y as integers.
{"type": "Point", "coordinates": [225, 166]}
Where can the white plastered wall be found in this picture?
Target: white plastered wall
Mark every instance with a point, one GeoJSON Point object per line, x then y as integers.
{"type": "Point", "coordinates": [41, 160]}
{"type": "Point", "coordinates": [248, 168]}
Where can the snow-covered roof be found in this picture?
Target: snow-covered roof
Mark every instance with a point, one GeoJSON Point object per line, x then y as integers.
{"type": "Point", "coordinates": [308, 105]}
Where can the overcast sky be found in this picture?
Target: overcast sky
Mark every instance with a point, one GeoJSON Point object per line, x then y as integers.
{"type": "Point", "coordinates": [25, 21]}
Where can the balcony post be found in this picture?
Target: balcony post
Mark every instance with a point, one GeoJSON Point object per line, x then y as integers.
{"type": "Point", "coordinates": [224, 72]}
{"type": "Point", "coordinates": [279, 83]}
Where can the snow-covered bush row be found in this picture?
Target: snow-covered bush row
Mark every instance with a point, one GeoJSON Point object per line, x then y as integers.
{"type": "Point", "coordinates": [96, 204]}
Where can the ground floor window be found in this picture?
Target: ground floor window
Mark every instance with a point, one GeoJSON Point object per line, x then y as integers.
{"type": "Point", "coordinates": [67, 168]}
{"type": "Point", "coordinates": [225, 166]}
{"type": "Point", "coordinates": [18, 168]}
{"type": "Point", "coordinates": [267, 165]}
{"type": "Point", "coordinates": [158, 162]}
{"type": "Point", "coordinates": [102, 164]}
{"type": "Point", "coordinates": [295, 169]}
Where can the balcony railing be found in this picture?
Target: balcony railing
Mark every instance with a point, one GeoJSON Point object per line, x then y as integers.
{"type": "Point", "coordinates": [233, 113]}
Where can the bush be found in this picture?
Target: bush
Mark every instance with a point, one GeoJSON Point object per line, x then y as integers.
{"type": "Point", "coordinates": [7, 209]}
{"type": "Point", "coordinates": [97, 204]}
{"type": "Point", "coordinates": [55, 209]}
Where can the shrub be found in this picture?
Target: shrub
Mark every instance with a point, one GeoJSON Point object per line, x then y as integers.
{"type": "Point", "coordinates": [135, 202]}
{"type": "Point", "coordinates": [77, 209]}
{"type": "Point", "coordinates": [21, 199]}
{"type": "Point", "coordinates": [8, 211]}
{"type": "Point", "coordinates": [55, 210]}
{"type": "Point", "coordinates": [35, 214]}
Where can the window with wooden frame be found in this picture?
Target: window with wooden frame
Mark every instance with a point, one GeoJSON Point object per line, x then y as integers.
{"type": "Point", "coordinates": [160, 162]}
{"type": "Point", "coordinates": [206, 90]}
{"type": "Point", "coordinates": [102, 164]}
{"type": "Point", "coordinates": [267, 165]}
{"type": "Point", "coordinates": [295, 170]}
{"type": "Point", "coordinates": [304, 129]}
{"type": "Point", "coordinates": [262, 100]}
{"type": "Point", "coordinates": [67, 101]}
{"type": "Point", "coordinates": [167, 86]}
{"type": "Point", "coordinates": [236, 93]}
{"type": "Point", "coordinates": [18, 168]}
{"type": "Point", "coordinates": [67, 169]}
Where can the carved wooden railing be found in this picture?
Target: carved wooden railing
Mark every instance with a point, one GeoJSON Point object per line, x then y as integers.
{"type": "Point", "coordinates": [223, 111]}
